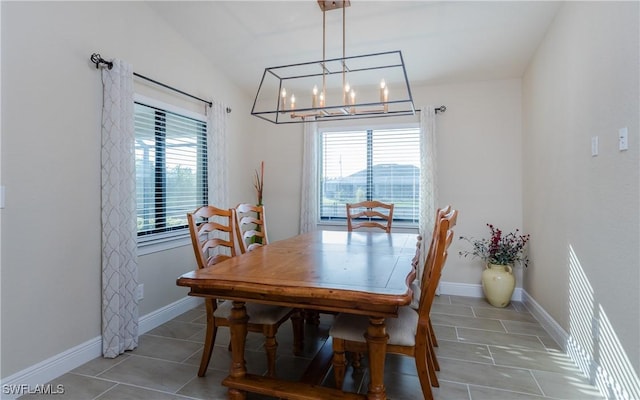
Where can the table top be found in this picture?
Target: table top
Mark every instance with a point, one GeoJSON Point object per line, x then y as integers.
{"type": "Point", "coordinates": [359, 272]}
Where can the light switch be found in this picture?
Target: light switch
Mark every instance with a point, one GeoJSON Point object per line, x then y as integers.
{"type": "Point", "coordinates": [623, 138]}
{"type": "Point", "coordinates": [594, 146]}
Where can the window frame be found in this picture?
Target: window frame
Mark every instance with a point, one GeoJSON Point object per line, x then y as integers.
{"type": "Point", "coordinates": [175, 237]}
{"type": "Point", "coordinates": [342, 222]}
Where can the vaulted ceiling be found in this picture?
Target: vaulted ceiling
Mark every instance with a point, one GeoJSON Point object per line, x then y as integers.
{"type": "Point", "coordinates": [441, 42]}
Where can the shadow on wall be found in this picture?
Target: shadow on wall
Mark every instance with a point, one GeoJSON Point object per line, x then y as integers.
{"type": "Point", "coordinates": [593, 344]}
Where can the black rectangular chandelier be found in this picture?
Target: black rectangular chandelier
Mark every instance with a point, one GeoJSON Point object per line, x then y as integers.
{"type": "Point", "coordinates": [364, 86]}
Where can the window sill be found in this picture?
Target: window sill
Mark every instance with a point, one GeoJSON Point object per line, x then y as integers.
{"type": "Point", "coordinates": [162, 241]}
{"type": "Point", "coordinates": [342, 225]}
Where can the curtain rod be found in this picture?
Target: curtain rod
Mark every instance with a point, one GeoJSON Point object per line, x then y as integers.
{"type": "Point", "coordinates": [440, 109]}
{"type": "Point", "coordinates": [98, 60]}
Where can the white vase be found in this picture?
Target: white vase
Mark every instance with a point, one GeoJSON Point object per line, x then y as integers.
{"type": "Point", "coordinates": [498, 284]}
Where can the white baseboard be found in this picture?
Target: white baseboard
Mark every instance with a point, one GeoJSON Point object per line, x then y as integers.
{"type": "Point", "coordinates": [471, 290]}
{"type": "Point", "coordinates": [74, 357]}
{"type": "Point", "coordinates": [51, 368]}
{"type": "Point", "coordinates": [548, 323]}
{"type": "Point", "coordinates": [167, 313]}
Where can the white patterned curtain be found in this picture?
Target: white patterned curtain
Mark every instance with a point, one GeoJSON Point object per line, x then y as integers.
{"type": "Point", "coordinates": [309, 193]}
{"type": "Point", "coordinates": [428, 189]}
{"type": "Point", "coordinates": [119, 230]}
{"type": "Point", "coordinates": [217, 126]}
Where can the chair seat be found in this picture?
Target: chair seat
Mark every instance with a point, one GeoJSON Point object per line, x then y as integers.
{"type": "Point", "coordinates": [258, 313]}
{"type": "Point", "coordinates": [401, 330]}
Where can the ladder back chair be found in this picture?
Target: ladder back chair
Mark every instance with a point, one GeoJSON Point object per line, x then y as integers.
{"type": "Point", "coordinates": [212, 236]}
{"type": "Point", "coordinates": [251, 227]}
{"type": "Point", "coordinates": [369, 214]}
{"type": "Point", "coordinates": [409, 334]}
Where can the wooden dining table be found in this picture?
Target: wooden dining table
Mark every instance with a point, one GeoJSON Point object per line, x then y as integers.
{"type": "Point", "coordinates": [366, 273]}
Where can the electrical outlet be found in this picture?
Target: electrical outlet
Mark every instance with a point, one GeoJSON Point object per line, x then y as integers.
{"type": "Point", "coordinates": [140, 292]}
{"type": "Point", "coordinates": [623, 139]}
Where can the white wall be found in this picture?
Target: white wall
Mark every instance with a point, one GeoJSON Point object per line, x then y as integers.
{"type": "Point", "coordinates": [583, 211]}
{"type": "Point", "coordinates": [478, 163]}
{"type": "Point", "coordinates": [52, 96]}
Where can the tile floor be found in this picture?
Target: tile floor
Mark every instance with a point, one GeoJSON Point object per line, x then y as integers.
{"type": "Point", "coordinates": [485, 353]}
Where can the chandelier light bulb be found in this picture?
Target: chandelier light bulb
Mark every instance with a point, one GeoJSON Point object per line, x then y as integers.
{"type": "Point", "coordinates": [314, 98]}
{"type": "Point", "coordinates": [283, 98]}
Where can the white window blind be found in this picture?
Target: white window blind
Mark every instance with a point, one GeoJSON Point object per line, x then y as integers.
{"type": "Point", "coordinates": [171, 168]}
{"type": "Point", "coordinates": [381, 164]}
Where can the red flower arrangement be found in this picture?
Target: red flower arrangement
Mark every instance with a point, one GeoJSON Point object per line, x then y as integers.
{"type": "Point", "coordinates": [499, 249]}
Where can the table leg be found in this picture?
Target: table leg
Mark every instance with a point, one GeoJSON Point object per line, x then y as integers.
{"type": "Point", "coordinates": [238, 329]}
{"type": "Point", "coordinates": [377, 343]}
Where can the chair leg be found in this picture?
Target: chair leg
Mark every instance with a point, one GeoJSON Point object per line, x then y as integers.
{"type": "Point", "coordinates": [432, 350]}
{"type": "Point", "coordinates": [432, 334]}
{"type": "Point", "coordinates": [339, 362]}
{"type": "Point", "coordinates": [270, 346]}
{"type": "Point", "coordinates": [297, 323]}
{"type": "Point", "coordinates": [210, 337]}
{"type": "Point", "coordinates": [423, 375]}
{"type": "Point", "coordinates": [432, 362]}
{"type": "Point", "coordinates": [312, 317]}
{"type": "Point", "coordinates": [355, 359]}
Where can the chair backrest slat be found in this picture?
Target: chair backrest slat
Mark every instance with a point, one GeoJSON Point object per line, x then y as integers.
{"type": "Point", "coordinates": [211, 231]}
{"type": "Point", "coordinates": [251, 227]}
{"type": "Point", "coordinates": [376, 214]}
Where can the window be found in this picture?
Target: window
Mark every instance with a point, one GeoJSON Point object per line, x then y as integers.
{"type": "Point", "coordinates": [382, 164]}
{"type": "Point", "coordinates": [171, 167]}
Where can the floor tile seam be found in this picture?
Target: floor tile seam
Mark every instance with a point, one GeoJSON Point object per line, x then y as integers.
{"type": "Point", "coordinates": [152, 389]}
{"type": "Point", "coordinates": [445, 357]}
{"type": "Point", "coordinates": [444, 312]}
{"type": "Point", "coordinates": [529, 370]}
{"type": "Point", "coordinates": [111, 366]}
{"type": "Point", "coordinates": [507, 333]}
{"type": "Point", "coordinates": [467, 316]}
{"type": "Point", "coordinates": [525, 334]}
{"type": "Point", "coordinates": [173, 338]}
{"type": "Point", "coordinates": [459, 326]}
{"type": "Point", "coordinates": [107, 390]}
{"type": "Point", "coordinates": [468, 391]}
{"type": "Point", "coordinates": [491, 344]}
{"type": "Point", "coordinates": [503, 326]}
{"type": "Point", "coordinates": [491, 354]}
{"type": "Point", "coordinates": [457, 341]}
{"type": "Point", "coordinates": [185, 384]}
{"type": "Point", "coordinates": [550, 352]}
{"type": "Point", "coordinates": [184, 361]}
{"type": "Point", "coordinates": [100, 378]}
{"type": "Point", "coordinates": [538, 383]}
{"type": "Point", "coordinates": [155, 359]}
{"type": "Point", "coordinates": [471, 385]}
{"type": "Point", "coordinates": [501, 319]}
{"type": "Point", "coordinates": [532, 370]}
{"type": "Point", "coordinates": [473, 311]}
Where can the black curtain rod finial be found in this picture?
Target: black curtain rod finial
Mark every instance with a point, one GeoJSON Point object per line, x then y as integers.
{"type": "Point", "coordinates": [97, 59]}
{"type": "Point", "coordinates": [441, 109]}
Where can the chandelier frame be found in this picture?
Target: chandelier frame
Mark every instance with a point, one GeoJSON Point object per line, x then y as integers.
{"type": "Point", "coordinates": [299, 77]}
